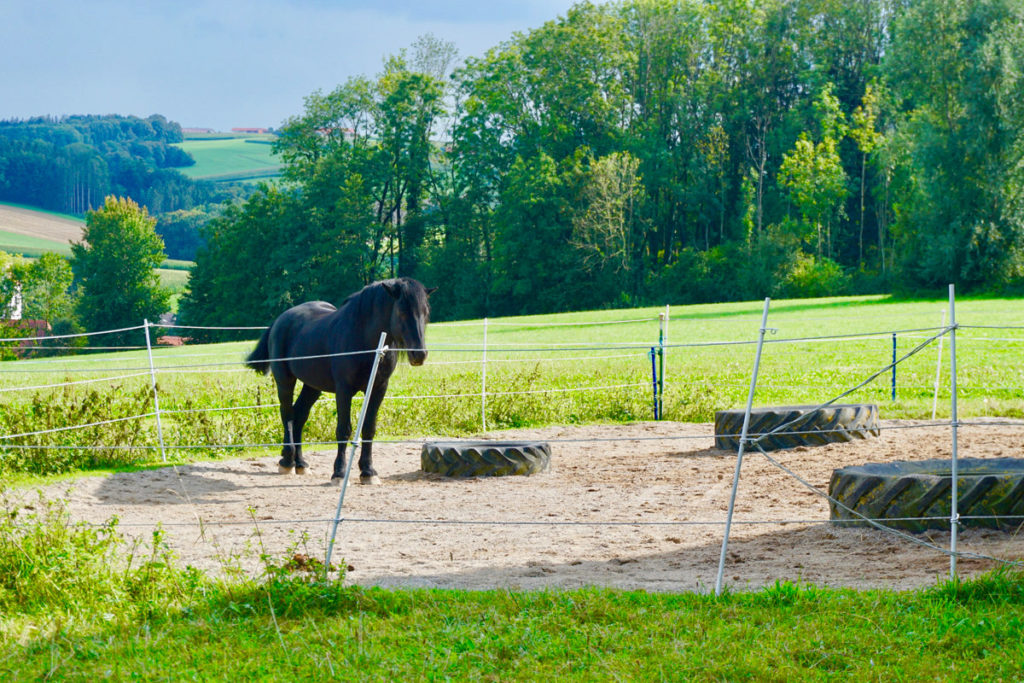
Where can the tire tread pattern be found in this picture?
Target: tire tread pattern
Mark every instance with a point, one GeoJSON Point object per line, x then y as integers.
{"type": "Point", "coordinates": [485, 459]}
{"type": "Point", "coordinates": [993, 489]}
{"type": "Point", "coordinates": [811, 426]}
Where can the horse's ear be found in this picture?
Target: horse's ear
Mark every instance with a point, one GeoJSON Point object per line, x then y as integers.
{"type": "Point", "coordinates": [431, 291]}
{"type": "Point", "coordinates": [393, 290]}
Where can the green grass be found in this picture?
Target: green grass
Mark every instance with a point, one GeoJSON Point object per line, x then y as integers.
{"type": "Point", "coordinates": [80, 603]}
{"type": "Point", "coordinates": [27, 245]}
{"type": "Point", "coordinates": [536, 375]}
{"type": "Point", "coordinates": [236, 158]}
{"type": "Point", "coordinates": [173, 278]}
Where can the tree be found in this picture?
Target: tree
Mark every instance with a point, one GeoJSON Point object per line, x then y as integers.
{"type": "Point", "coordinates": [955, 68]}
{"type": "Point", "coordinates": [115, 264]}
{"type": "Point", "coordinates": [813, 172]}
{"type": "Point", "coordinates": [867, 138]}
{"type": "Point", "coordinates": [45, 288]}
{"type": "Point", "coordinates": [606, 231]}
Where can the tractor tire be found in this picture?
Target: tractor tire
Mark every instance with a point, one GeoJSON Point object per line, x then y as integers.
{"type": "Point", "coordinates": [810, 426]}
{"type": "Point", "coordinates": [485, 458]}
{"type": "Point", "coordinates": [989, 491]}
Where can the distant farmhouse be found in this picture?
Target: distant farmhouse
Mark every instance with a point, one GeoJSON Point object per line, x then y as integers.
{"type": "Point", "coordinates": [250, 130]}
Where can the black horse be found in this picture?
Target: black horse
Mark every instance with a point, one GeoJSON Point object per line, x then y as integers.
{"type": "Point", "coordinates": [303, 344]}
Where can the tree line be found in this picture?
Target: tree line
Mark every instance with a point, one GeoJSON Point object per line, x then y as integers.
{"type": "Point", "coordinates": [647, 151]}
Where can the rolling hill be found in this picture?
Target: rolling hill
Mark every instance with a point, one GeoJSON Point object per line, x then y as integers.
{"type": "Point", "coordinates": [30, 232]}
{"type": "Point", "coordinates": [233, 157]}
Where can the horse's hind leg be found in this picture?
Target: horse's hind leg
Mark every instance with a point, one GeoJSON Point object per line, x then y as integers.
{"type": "Point", "coordinates": [300, 411]}
{"type": "Point", "coordinates": [285, 390]}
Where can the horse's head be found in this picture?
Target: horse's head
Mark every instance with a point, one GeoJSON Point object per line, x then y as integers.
{"type": "Point", "coordinates": [409, 317]}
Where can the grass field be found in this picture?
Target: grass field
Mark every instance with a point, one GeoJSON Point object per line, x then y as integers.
{"type": "Point", "coordinates": [77, 603]}
{"type": "Point", "coordinates": [589, 368]}
{"type": "Point", "coordinates": [236, 158]}
{"type": "Point", "coordinates": [30, 246]}
{"type": "Point", "coordinates": [29, 231]}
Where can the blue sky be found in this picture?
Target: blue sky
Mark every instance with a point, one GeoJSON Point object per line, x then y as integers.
{"type": "Point", "coordinates": [223, 63]}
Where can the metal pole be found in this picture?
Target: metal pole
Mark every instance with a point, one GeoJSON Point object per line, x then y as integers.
{"type": "Point", "coordinates": [654, 382]}
{"type": "Point", "coordinates": [743, 443]}
{"type": "Point", "coordinates": [356, 440]}
{"type": "Point", "coordinates": [483, 383]}
{"type": "Point", "coordinates": [662, 341]}
{"type": "Point", "coordinates": [938, 369]}
{"type": "Point", "coordinates": [156, 395]}
{"type": "Point", "coordinates": [954, 513]}
{"type": "Point", "coordinates": [894, 366]}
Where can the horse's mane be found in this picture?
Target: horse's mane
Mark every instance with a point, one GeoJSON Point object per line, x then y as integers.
{"type": "Point", "coordinates": [357, 301]}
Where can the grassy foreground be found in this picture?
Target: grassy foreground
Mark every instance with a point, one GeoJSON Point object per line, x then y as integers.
{"type": "Point", "coordinates": [77, 603]}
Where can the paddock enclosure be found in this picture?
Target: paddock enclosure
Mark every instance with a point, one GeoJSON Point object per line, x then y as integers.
{"type": "Point", "coordinates": [635, 506]}
{"type": "Point", "coordinates": [627, 501]}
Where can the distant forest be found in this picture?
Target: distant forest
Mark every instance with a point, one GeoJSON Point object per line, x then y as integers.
{"type": "Point", "coordinates": [70, 164]}
{"type": "Point", "coordinates": [644, 152]}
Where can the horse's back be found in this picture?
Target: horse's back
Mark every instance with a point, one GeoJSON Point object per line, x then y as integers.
{"type": "Point", "coordinates": [299, 331]}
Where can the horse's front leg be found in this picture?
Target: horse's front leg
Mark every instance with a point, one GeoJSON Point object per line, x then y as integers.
{"type": "Point", "coordinates": [343, 400]}
{"type": "Point", "coordinates": [368, 475]}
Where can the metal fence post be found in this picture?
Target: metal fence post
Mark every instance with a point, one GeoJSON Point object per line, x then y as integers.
{"type": "Point", "coordinates": [662, 341]}
{"type": "Point", "coordinates": [156, 394]}
{"type": "Point", "coordinates": [954, 512]}
{"type": "Point", "coordinates": [894, 366]}
{"type": "Point", "coordinates": [654, 382]}
{"type": "Point", "coordinates": [483, 383]}
{"type": "Point", "coordinates": [356, 440]}
{"type": "Point", "coordinates": [743, 443]}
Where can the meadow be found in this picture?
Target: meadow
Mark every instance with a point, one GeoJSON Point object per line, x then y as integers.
{"type": "Point", "coordinates": [78, 603]}
{"type": "Point", "coordinates": [578, 368]}
{"type": "Point", "coordinates": [235, 158]}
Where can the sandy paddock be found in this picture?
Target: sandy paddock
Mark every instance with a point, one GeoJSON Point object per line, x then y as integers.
{"type": "Point", "coordinates": [607, 477]}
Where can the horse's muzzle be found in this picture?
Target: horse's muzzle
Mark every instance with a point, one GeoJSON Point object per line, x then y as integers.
{"type": "Point", "coordinates": [417, 357]}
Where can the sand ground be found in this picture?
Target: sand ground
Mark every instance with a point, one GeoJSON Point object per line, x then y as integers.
{"type": "Point", "coordinates": [638, 506]}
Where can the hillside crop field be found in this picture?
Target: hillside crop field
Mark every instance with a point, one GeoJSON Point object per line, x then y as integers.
{"type": "Point", "coordinates": [244, 157]}
{"type": "Point", "coordinates": [28, 231]}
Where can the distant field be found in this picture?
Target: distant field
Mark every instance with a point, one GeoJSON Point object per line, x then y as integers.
{"type": "Point", "coordinates": [30, 232]}
{"type": "Point", "coordinates": [235, 158]}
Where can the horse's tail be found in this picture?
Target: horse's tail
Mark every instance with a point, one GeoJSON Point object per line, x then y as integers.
{"type": "Point", "coordinates": [259, 359]}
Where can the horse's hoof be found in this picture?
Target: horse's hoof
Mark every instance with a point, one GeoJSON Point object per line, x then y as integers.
{"type": "Point", "coordinates": [281, 469]}
{"type": "Point", "coordinates": [300, 470]}
{"type": "Point", "coordinates": [372, 480]}
{"type": "Point", "coordinates": [337, 481]}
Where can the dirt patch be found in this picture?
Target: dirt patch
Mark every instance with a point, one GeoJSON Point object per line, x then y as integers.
{"type": "Point", "coordinates": [627, 506]}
